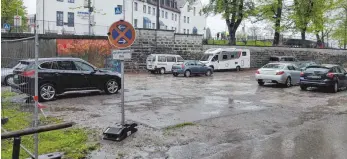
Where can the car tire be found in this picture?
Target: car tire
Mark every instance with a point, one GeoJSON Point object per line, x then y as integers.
{"type": "Point", "coordinates": [162, 71]}
{"type": "Point", "coordinates": [8, 79]}
{"type": "Point", "coordinates": [112, 86]}
{"type": "Point", "coordinates": [288, 82]}
{"type": "Point", "coordinates": [261, 83]}
{"type": "Point", "coordinates": [175, 74]}
{"type": "Point", "coordinates": [212, 67]}
{"type": "Point", "coordinates": [334, 88]}
{"type": "Point", "coordinates": [303, 88]}
{"type": "Point", "coordinates": [187, 73]}
{"type": "Point", "coordinates": [47, 92]}
{"type": "Point", "coordinates": [208, 73]}
{"type": "Point", "coordinates": [152, 72]}
{"type": "Point", "coordinates": [238, 69]}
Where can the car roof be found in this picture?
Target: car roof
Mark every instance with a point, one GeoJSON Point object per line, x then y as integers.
{"type": "Point", "coordinates": [164, 55]}
{"type": "Point", "coordinates": [53, 59]}
{"type": "Point", "coordinates": [329, 65]}
{"type": "Point", "coordinates": [283, 56]}
{"type": "Point", "coordinates": [284, 63]}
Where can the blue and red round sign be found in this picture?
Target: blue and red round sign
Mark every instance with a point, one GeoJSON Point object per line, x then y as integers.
{"type": "Point", "coordinates": [121, 34]}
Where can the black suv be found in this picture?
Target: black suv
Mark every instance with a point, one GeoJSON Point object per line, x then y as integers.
{"type": "Point", "coordinates": [329, 76]}
{"type": "Point", "coordinates": [60, 75]}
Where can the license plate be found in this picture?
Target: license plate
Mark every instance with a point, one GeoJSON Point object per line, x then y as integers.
{"type": "Point", "coordinates": [174, 70]}
{"type": "Point", "coordinates": [268, 81]}
{"type": "Point", "coordinates": [314, 77]}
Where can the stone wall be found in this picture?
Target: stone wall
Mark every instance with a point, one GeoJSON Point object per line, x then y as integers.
{"type": "Point", "coordinates": [260, 55]}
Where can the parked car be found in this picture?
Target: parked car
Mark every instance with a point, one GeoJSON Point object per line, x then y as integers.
{"type": "Point", "coordinates": [304, 64]}
{"type": "Point", "coordinates": [283, 59]}
{"type": "Point", "coordinates": [280, 73]}
{"type": "Point", "coordinates": [61, 75]}
{"type": "Point", "coordinates": [191, 67]}
{"type": "Point", "coordinates": [7, 73]}
{"type": "Point", "coordinates": [227, 58]}
{"type": "Point", "coordinates": [162, 63]}
{"type": "Point", "coordinates": [332, 77]}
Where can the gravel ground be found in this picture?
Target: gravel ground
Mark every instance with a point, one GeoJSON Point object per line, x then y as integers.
{"type": "Point", "coordinates": [233, 117]}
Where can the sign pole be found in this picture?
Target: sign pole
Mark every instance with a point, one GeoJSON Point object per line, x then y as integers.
{"type": "Point", "coordinates": [36, 116]}
{"type": "Point", "coordinates": [122, 90]}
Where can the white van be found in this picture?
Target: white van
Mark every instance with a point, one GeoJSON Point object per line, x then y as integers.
{"type": "Point", "coordinates": [227, 58]}
{"type": "Point", "coordinates": [161, 63]}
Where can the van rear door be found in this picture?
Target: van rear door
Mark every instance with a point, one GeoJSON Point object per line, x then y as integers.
{"type": "Point", "coordinates": [150, 62]}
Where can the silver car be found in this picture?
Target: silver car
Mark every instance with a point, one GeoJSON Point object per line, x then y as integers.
{"type": "Point", "coordinates": [7, 73]}
{"type": "Point", "coordinates": [280, 73]}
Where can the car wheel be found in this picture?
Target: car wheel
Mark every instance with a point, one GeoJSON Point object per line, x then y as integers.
{"type": "Point", "coordinates": [288, 82]}
{"type": "Point", "coordinates": [175, 74]}
{"type": "Point", "coordinates": [208, 73]}
{"type": "Point", "coordinates": [8, 80]}
{"type": "Point", "coordinates": [47, 92]}
{"type": "Point", "coordinates": [152, 72]}
{"type": "Point", "coordinates": [111, 86]}
{"type": "Point", "coordinates": [212, 67]}
{"type": "Point", "coordinates": [238, 68]}
{"type": "Point", "coordinates": [334, 88]}
{"type": "Point", "coordinates": [187, 73]}
{"type": "Point", "coordinates": [162, 71]}
{"type": "Point", "coordinates": [304, 88]}
{"type": "Point", "coordinates": [261, 83]}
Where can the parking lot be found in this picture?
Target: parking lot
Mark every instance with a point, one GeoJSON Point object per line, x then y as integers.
{"type": "Point", "coordinates": [226, 115]}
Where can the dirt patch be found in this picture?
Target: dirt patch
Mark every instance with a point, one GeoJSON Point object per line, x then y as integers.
{"type": "Point", "coordinates": [59, 109]}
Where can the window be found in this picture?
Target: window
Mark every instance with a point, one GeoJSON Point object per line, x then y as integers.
{"type": "Point", "coordinates": [166, 15]}
{"type": "Point", "coordinates": [153, 25]}
{"type": "Point", "coordinates": [291, 67]}
{"type": "Point", "coordinates": [60, 0]}
{"type": "Point", "coordinates": [194, 11]}
{"type": "Point", "coordinates": [190, 63]}
{"type": "Point", "coordinates": [55, 66]}
{"type": "Point", "coordinates": [175, 17]}
{"type": "Point", "coordinates": [149, 9]}
{"type": "Point", "coordinates": [166, 27]}
{"type": "Point", "coordinates": [70, 19]}
{"type": "Point", "coordinates": [172, 28]}
{"type": "Point", "coordinates": [187, 19]}
{"type": "Point", "coordinates": [66, 65]}
{"type": "Point", "coordinates": [171, 59]}
{"type": "Point", "coordinates": [342, 70]}
{"type": "Point", "coordinates": [83, 66]}
{"type": "Point", "coordinates": [184, 31]}
{"type": "Point", "coordinates": [153, 11]}
{"type": "Point", "coordinates": [180, 59]}
{"type": "Point", "coordinates": [184, 19]}
{"type": "Point", "coordinates": [135, 23]}
{"type": "Point", "coordinates": [162, 13]}
{"type": "Point", "coordinates": [161, 59]}
{"type": "Point", "coordinates": [225, 57]}
{"type": "Point", "coordinates": [188, 8]}
{"type": "Point", "coordinates": [71, 1]}
{"type": "Point", "coordinates": [60, 18]}
{"type": "Point", "coordinates": [187, 31]}
{"type": "Point", "coordinates": [135, 6]}
{"type": "Point", "coordinates": [46, 65]}
{"type": "Point", "coordinates": [172, 16]}
{"type": "Point", "coordinates": [215, 58]}
{"type": "Point", "coordinates": [244, 53]}
{"type": "Point", "coordinates": [144, 8]}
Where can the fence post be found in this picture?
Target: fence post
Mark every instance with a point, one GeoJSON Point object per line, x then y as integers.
{"type": "Point", "coordinates": [16, 147]}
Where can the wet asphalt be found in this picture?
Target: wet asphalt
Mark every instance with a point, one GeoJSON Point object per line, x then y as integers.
{"type": "Point", "coordinates": [233, 118]}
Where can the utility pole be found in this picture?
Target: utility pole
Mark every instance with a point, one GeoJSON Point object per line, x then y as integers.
{"type": "Point", "coordinates": [345, 40]}
{"type": "Point", "coordinates": [36, 116]}
{"type": "Point", "coordinates": [158, 14]}
{"type": "Point", "coordinates": [90, 10]}
{"type": "Point", "coordinates": [124, 11]}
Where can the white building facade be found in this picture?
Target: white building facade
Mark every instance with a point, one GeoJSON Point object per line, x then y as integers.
{"type": "Point", "coordinates": [71, 16]}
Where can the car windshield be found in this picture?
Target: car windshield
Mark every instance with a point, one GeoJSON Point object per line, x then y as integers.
{"type": "Point", "coordinates": [180, 59]}
{"type": "Point", "coordinates": [21, 65]}
{"type": "Point", "coordinates": [274, 66]}
{"type": "Point", "coordinates": [274, 59]}
{"type": "Point", "coordinates": [206, 57]}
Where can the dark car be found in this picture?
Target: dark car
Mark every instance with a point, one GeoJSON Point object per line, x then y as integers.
{"type": "Point", "coordinates": [191, 67]}
{"type": "Point", "coordinates": [304, 64]}
{"type": "Point", "coordinates": [60, 75]}
{"type": "Point", "coordinates": [332, 77]}
{"type": "Point", "coordinates": [283, 59]}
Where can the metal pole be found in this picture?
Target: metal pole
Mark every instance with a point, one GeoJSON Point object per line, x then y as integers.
{"type": "Point", "coordinates": [43, 16]}
{"type": "Point", "coordinates": [17, 22]}
{"type": "Point", "coordinates": [158, 15]}
{"type": "Point", "coordinates": [345, 41]}
{"type": "Point", "coordinates": [89, 20]}
{"type": "Point", "coordinates": [124, 10]}
{"type": "Point", "coordinates": [16, 148]}
{"type": "Point", "coordinates": [36, 116]}
{"type": "Point", "coordinates": [122, 90]}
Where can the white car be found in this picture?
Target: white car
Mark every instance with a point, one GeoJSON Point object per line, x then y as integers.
{"type": "Point", "coordinates": [162, 63]}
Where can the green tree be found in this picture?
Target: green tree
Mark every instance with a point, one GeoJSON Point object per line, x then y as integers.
{"type": "Point", "coordinates": [233, 11]}
{"type": "Point", "coordinates": [10, 8]}
{"type": "Point", "coordinates": [302, 15]}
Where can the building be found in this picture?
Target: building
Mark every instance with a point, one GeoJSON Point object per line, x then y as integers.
{"type": "Point", "coordinates": [72, 16]}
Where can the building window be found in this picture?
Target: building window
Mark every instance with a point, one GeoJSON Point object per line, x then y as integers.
{"type": "Point", "coordinates": [70, 19]}
{"type": "Point", "coordinates": [153, 11]}
{"type": "Point", "coordinates": [162, 13]}
{"type": "Point", "coordinates": [149, 9]}
{"type": "Point", "coordinates": [194, 11]}
{"type": "Point", "coordinates": [172, 16]}
{"type": "Point", "coordinates": [187, 19]}
{"type": "Point", "coordinates": [188, 8]}
{"type": "Point", "coordinates": [184, 31]}
{"type": "Point", "coordinates": [71, 1]}
{"type": "Point", "coordinates": [175, 17]}
{"type": "Point", "coordinates": [135, 6]}
{"type": "Point", "coordinates": [153, 25]}
{"type": "Point", "coordinates": [135, 23]}
{"type": "Point", "coordinates": [60, 0]}
{"type": "Point", "coordinates": [172, 28]}
{"type": "Point", "coordinates": [166, 15]}
{"type": "Point", "coordinates": [184, 19]}
{"type": "Point", "coordinates": [144, 8]}
{"type": "Point", "coordinates": [175, 4]}
{"type": "Point", "coordinates": [60, 18]}
{"type": "Point", "coordinates": [187, 31]}
{"type": "Point", "coordinates": [166, 27]}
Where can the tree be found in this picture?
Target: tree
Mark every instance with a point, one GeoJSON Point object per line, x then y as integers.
{"type": "Point", "coordinates": [271, 10]}
{"type": "Point", "coordinates": [302, 15]}
{"type": "Point", "coordinates": [10, 8]}
{"type": "Point", "coordinates": [208, 33]}
{"type": "Point", "coordinates": [233, 11]}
